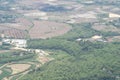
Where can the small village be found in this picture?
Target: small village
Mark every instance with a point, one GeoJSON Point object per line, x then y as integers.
{"type": "Point", "coordinates": [21, 44]}
{"type": "Point", "coordinates": [94, 38]}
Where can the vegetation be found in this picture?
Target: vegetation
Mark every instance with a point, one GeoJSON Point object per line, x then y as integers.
{"type": "Point", "coordinates": [7, 18]}
{"type": "Point", "coordinates": [67, 46]}
{"type": "Point", "coordinates": [70, 58]}
{"type": "Point", "coordinates": [115, 23]}
{"type": "Point", "coordinates": [50, 8]}
{"type": "Point", "coordinates": [83, 30]}
{"type": "Point", "coordinates": [94, 62]}
{"type": "Point", "coordinates": [5, 47]}
{"type": "Point", "coordinates": [82, 60]}
{"type": "Point", "coordinates": [106, 2]}
{"type": "Point", "coordinates": [15, 57]}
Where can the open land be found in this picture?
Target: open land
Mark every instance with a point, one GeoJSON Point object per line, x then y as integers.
{"type": "Point", "coordinates": [46, 29]}
{"type": "Point", "coordinates": [17, 68]}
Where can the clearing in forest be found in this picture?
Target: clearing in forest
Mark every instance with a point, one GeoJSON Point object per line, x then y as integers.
{"type": "Point", "coordinates": [17, 68]}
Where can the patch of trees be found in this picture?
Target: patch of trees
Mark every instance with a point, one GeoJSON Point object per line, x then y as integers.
{"type": "Point", "coordinates": [110, 33]}
{"type": "Point", "coordinates": [5, 46]}
{"type": "Point", "coordinates": [115, 23]}
{"type": "Point", "coordinates": [84, 60]}
{"type": "Point", "coordinates": [4, 8]}
{"type": "Point", "coordinates": [11, 57]}
{"type": "Point", "coordinates": [100, 64]}
{"type": "Point", "coordinates": [103, 15]}
{"type": "Point", "coordinates": [83, 30]}
{"type": "Point", "coordinates": [51, 8]}
{"type": "Point", "coordinates": [71, 48]}
{"type": "Point", "coordinates": [7, 18]}
{"type": "Point", "coordinates": [5, 5]}
{"type": "Point", "coordinates": [90, 46]}
{"type": "Point", "coordinates": [106, 2]}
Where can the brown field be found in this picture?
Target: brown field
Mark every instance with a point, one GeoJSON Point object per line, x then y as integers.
{"type": "Point", "coordinates": [17, 68]}
{"type": "Point", "coordinates": [44, 59]}
{"type": "Point", "coordinates": [20, 23]}
{"type": "Point", "coordinates": [14, 33]}
{"type": "Point", "coordinates": [41, 29]}
{"type": "Point", "coordinates": [113, 39]}
{"type": "Point", "coordinates": [47, 29]}
{"type": "Point", "coordinates": [16, 26]}
{"type": "Point", "coordinates": [24, 24]}
{"type": "Point", "coordinates": [2, 27]}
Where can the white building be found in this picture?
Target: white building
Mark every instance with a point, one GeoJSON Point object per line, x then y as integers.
{"type": "Point", "coordinates": [20, 43]}
{"type": "Point", "coordinates": [7, 41]}
{"type": "Point", "coordinates": [36, 14]}
{"type": "Point", "coordinates": [96, 37]}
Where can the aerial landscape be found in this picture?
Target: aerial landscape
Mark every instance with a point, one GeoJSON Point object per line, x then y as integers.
{"type": "Point", "coordinates": [59, 39]}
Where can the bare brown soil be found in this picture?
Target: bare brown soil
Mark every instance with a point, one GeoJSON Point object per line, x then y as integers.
{"type": "Point", "coordinates": [113, 39]}
{"type": "Point", "coordinates": [44, 59]}
{"type": "Point", "coordinates": [24, 24]}
{"type": "Point", "coordinates": [20, 26]}
{"type": "Point", "coordinates": [15, 33]}
{"type": "Point", "coordinates": [12, 31]}
{"type": "Point", "coordinates": [17, 68]}
{"type": "Point", "coordinates": [47, 29]}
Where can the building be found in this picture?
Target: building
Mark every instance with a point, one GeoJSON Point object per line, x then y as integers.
{"type": "Point", "coordinates": [6, 41]}
{"type": "Point", "coordinates": [20, 43]}
{"type": "Point", "coordinates": [96, 37]}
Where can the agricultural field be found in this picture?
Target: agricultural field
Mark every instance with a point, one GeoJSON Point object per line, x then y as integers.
{"type": "Point", "coordinates": [47, 29]}
{"type": "Point", "coordinates": [105, 28]}
{"type": "Point", "coordinates": [66, 39]}
{"type": "Point", "coordinates": [14, 33]}
{"type": "Point", "coordinates": [18, 68]}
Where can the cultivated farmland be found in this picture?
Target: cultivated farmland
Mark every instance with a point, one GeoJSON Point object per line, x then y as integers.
{"type": "Point", "coordinates": [15, 33]}
{"type": "Point", "coordinates": [17, 68]}
{"type": "Point", "coordinates": [47, 29]}
{"type": "Point", "coordinates": [105, 28]}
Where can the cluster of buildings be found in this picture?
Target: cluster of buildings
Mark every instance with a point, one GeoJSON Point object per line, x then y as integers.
{"type": "Point", "coordinates": [20, 43]}
{"type": "Point", "coordinates": [38, 15]}
{"type": "Point", "coordinates": [93, 38]}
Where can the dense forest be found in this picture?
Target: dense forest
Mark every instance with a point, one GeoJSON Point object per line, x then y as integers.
{"type": "Point", "coordinates": [84, 60]}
